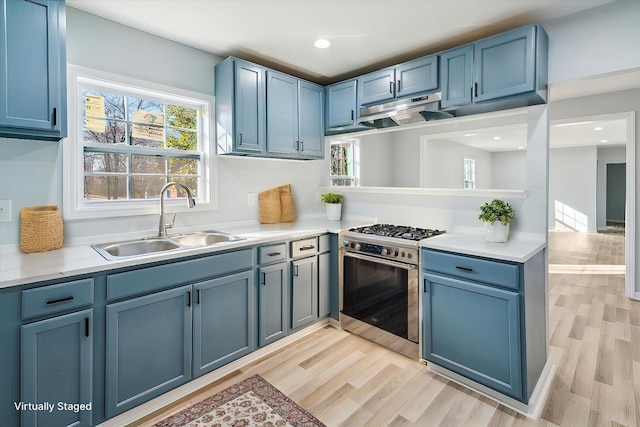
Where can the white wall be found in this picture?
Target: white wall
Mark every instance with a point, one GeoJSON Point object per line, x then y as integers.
{"type": "Point", "coordinates": [597, 41]}
{"type": "Point", "coordinates": [101, 44]}
{"type": "Point", "coordinates": [572, 179]}
{"type": "Point", "coordinates": [606, 155]}
{"type": "Point", "coordinates": [376, 161]}
{"type": "Point", "coordinates": [507, 170]}
{"type": "Point", "coordinates": [443, 165]}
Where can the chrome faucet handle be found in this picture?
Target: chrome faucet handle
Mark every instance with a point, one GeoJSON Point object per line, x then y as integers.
{"type": "Point", "coordinates": [170, 225]}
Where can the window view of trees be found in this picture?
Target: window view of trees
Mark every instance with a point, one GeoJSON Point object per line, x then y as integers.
{"type": "Point", "coordinates": [341, 166]}
{"type": "Point", "coordinates": [134, 146]}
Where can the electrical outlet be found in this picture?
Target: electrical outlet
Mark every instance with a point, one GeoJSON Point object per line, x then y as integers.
{"type": "Point", "coordinates": [5, 210]}
{"type": "Point", "coordinates": [252, 198]}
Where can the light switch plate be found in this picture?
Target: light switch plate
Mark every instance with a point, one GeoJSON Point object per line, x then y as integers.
{"type": "Point", "coordinates": [5, 210]}
{"type": "Point", "coordinates": [252, 199]}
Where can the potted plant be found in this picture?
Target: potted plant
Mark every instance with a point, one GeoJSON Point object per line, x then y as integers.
{"type": "Point", "coordinates": [333, 203]}
{"type": "Point", "coordinates": [497, 216]}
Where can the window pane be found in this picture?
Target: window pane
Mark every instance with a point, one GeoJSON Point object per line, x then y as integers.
{"type": "Point", "coordinates": [102, 104]}
{"type": "Point", "coordinates": [104, 131]}
{"type": "Point", "coordinates": [179, 166]}
{"type": "Point", "coordinates": [103, 162]}
{"type": "Point", "coordinates": [182, 139]}
{"type": "Point", "coordinates": [105, 187]}
{"type": "Point", "coordinates": [146, 187]}
{"type": "Point", "coordinates": [190, 182]}
{"type": "Point", "coordinates": [182, 117]}
{"type": "Point", "coordinates": [148, 164]}
{"type": "Point", "coordinates": [147, 136]}
{"type": "Point", "coordinates": [145, 105]}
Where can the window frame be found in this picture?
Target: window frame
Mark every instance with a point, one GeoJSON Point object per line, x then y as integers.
{"type": "Point", "coordinates": [74, 204]}
{"type": "Point", "coordinates": [354, 177]}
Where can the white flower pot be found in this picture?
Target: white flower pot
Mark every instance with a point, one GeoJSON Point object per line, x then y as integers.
{"type": "Point", "coordinates": [496, 232]}
{"type": "Point", "coordinates": [334, 211]}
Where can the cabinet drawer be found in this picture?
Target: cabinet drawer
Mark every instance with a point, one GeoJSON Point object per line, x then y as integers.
{"type": "Point", "coordinates": [481, 270]}
{"type": "Point", "coordinates": [145, 280]}
{"type": "Point", "coordinates": [272, 253]}
{"type": "Point", "coordinates": [304, 247]}
{"type": "Point", "coordinates": [56, 298]}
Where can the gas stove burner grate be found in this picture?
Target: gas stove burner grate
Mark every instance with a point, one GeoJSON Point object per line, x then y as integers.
{"type": "Point", "coordinates": [398, 231]}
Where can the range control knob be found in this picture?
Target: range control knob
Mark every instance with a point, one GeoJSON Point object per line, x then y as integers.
{"type": "Point", "coordinates": [345, 243]}
{"type": "Point", "coordinates": [357, 246]}
{"type": "Point", "coordinates": [389, 252]}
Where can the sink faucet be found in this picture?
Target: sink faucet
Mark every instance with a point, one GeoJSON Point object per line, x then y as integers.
{"type": "Point", "coordinates": [162, 227]}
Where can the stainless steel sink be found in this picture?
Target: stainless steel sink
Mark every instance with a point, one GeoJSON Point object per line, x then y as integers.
{"type": "Point", "coordinates": [205, 238]}
{"type": "Point", "coordinates": [134, 248]}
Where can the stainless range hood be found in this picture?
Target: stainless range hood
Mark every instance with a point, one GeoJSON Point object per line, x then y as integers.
{"type": "Point", "coordinates": [402, 112]}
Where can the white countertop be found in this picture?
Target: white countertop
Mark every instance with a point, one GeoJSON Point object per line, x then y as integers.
{"type": "Point", "coordinates": [519, 248]}
{"type": "Point", "coordinates": [17, 268]}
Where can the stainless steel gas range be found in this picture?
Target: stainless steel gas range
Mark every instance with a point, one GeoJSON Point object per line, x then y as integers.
{"type": "Point", "coordinates": [379, 284]}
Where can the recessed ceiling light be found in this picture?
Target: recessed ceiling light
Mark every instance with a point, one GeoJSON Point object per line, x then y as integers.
{"type": "Point", "coordinates": [497, 138]}
{"type": "Point", "coordinates": [598, 128]}
{"type": "Point", "coordinates": [604, 140]}
{"type": "Point", "coordinates": [322, 43]}
{"type": "Point", "coordinates": [470, 134]}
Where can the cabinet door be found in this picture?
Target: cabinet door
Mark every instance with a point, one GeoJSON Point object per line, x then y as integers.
{"type": "Point", "coordinates": [57, 361]}
{"type": "Point", "coordinates": [505, 64]}
{"type": "Point", "coordinates": [417, 76]}
{"type": "Point", "coordinates": [282, 113]}
{"type": "Point", "coordinates": [456, 66]}
{"type": "Point", "coordinates": [473, 330]}
{"type": "Point", "coordinates": [222, 321]}
{"type": "Point", "coordinates": [377, 87]}
{"type": "Point", "coordinates": [341, 104]}
{"type": "Point", "coordinates": [311, 119]}
{"type": "Point", "coordinates": [273, 303]}
{"type": "Point", "coordinates": [304, 292]}
{"type": "Point", "coordinates": [32, 67]}
{"type": "Point", "coordinates": [324, 284]}
{"type": "Point", "coordinates": [249, 107]}
{"type": "Point", "coordinates": [148, 348]}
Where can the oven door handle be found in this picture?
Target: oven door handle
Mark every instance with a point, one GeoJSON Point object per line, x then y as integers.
{"type": "Point", "coordinates": [382, 261]}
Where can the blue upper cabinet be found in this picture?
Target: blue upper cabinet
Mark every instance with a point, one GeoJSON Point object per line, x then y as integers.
{"type": "Point", "coordinates": [265, 113]}
{"type": "Point", "coordinates": [282, 113]}
{"type": "Point", "coordinates": [295, 116]}
{"type": "Point", "coordinates": [33, 69]}
{"type": "Point", "coordinates": [407, 79]}
{"type": "Point", "coordinates": [240, 107]}
{"type": "Point", "coordinates": [505, 64]}
{"type": "Point", "coordinates": [507, 70]}
{"type": "Point", "coordinates": [342, 104]}
{"type": "Point", "coordinates": [456, 68]}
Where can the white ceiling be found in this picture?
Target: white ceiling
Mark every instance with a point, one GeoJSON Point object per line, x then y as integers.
{"type": "Point", "coordinates": [601, 133]}
{"type": "Point", "coordinates": [366, 34]}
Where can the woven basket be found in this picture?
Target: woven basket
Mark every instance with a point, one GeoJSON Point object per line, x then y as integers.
{"type": "Point", "coordinates": [40, 229]}
{"type": "Point", "coordinates": [276, 205]}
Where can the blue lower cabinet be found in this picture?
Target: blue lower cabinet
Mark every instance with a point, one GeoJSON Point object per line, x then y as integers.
{"type": "Point", "coordinates": [57, 370]}
{"type": "Point", "coordinates": [222, 321]}
{"type": "Point", "coordinates": [148, 347]}
{"type": "Point", "coordinates": [304, 292]}
{"type": "Point", "coordinates": [273, 303]}
{"type": "Point", "coordinates": [473, 330]}
{"type": "Point", "coordinates": [324, 284]}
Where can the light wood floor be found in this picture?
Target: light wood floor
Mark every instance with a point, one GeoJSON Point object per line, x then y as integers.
{"type": "Point", "coordinates": [347, 381]}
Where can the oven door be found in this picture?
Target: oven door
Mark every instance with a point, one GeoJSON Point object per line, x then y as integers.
{"type": "Point", "coordinates": [381, 293]}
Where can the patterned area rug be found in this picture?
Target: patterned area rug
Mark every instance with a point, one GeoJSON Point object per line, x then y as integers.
{"type": "Point", "coordinates": [250, 403]}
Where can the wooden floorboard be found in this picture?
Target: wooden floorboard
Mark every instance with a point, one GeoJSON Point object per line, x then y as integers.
{"type": "Point", "coordinates": [594, 330]}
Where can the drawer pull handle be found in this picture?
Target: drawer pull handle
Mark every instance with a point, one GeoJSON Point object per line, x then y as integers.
{"type": "Point", "coordinates": [274, 253]}
{"type": "Point", "coordinates": [467, 269]}
{"type": "Point", "coordinates": [56, 301]}
{"type": "Point", "coordinates": [307, 247]}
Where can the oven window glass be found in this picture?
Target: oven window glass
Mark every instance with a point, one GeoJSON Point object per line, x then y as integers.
{"type": "Point", "coordinates": [377, 294]}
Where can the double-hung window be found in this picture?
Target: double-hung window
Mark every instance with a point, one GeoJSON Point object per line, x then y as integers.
{"type": "Point", "coordinates": [469, 173]}
{"type": "Point", "coordinates": [130, 138]}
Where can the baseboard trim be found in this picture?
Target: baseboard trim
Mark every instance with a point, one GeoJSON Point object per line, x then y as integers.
{"type": "Point", "coordinates": [531, 410]}
{"type": "Point", "coordinates": [160, 402]}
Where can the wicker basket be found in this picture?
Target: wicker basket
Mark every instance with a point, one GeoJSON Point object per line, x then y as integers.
{"type": "Point", "coordinates": [276, 205]}
{"type": "Point", "coordinates": [40, 229]}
